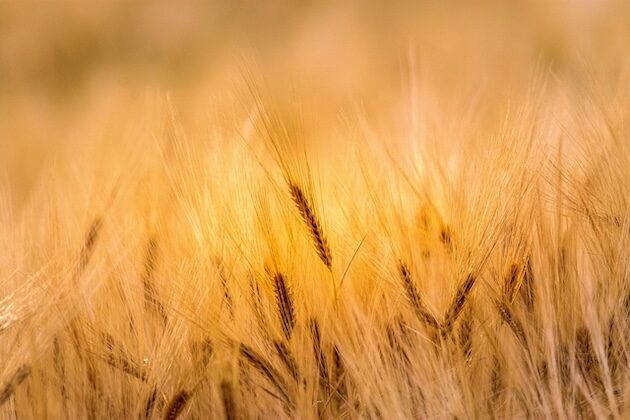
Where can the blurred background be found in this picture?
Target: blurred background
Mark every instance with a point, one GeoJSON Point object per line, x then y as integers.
{"type": "Point", "coordinates": [69, 70]}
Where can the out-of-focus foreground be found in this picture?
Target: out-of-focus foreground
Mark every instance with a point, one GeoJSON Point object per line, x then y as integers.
{"type": "Point", "coordinates": [314, 210]}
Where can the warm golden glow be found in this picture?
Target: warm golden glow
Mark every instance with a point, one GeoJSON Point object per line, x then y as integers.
{"type": "Point", "coordinates": [315, 209]}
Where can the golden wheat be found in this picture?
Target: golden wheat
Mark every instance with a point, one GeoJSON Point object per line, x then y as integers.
{"type": "Point", "coordinates": [295, 236]}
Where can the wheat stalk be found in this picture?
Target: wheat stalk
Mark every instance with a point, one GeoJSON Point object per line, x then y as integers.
{"type": "Point", "coordinates": [229, 403]}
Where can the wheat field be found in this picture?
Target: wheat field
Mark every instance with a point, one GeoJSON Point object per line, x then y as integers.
{"type": "Point", "coordinates": [320, 210]}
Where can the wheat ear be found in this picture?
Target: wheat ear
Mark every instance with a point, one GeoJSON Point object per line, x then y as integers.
{"type": "Point", "coordinates": [457, 305]}
{"type": "Point", "coordinates": [322, 366]}
{"type": "Point", "coordinates": [267, 371]}
{"type": "Point", "coordinates": [176, 405]}
{"type": "Point", "coordinates": [151, 297]}
{"type": "Point", "coordinates": [414, 297]}
{"type": "Point", "coordinates": [18, 377]}
{"type": "Point", "coordinates": [88, 245]}
{"type": "Point", "coordinates": [312, 223]}
{"type": "Point", "coordinates": [285, 304]}
{"type": "Point", "coordinates": [512, 322]}
{"type": "Point", "coordinates": [284, 353]}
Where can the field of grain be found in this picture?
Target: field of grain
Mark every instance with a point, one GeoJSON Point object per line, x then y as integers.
{"type": "Point", "coordinates": [336, 210]}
